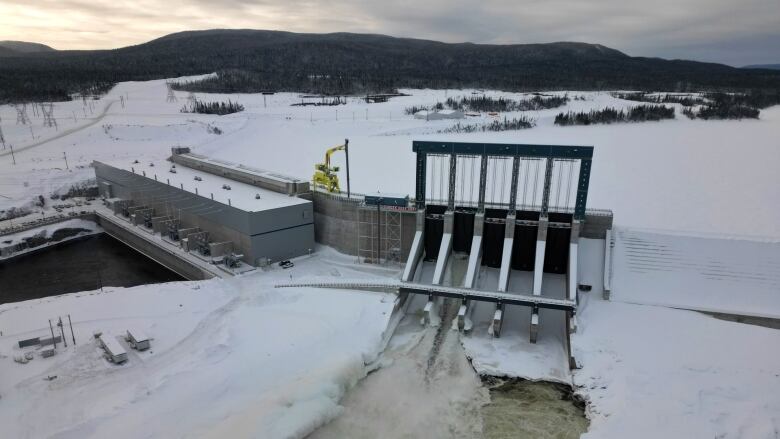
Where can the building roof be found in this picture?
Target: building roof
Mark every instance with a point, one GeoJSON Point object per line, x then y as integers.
{"type": "Point", "coordinates": [240, 195]}
{"type": "Point", "coordinates": [112, 345]}
{"type": "Point", "coordinates": [137, 334]}
{"type": "Point", "coordinates": [244, 168]}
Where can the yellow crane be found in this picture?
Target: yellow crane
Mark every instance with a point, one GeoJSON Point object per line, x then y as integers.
{"type": "Point", "coordinates": [325, 175]}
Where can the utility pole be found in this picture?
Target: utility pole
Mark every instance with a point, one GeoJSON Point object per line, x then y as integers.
{"type": "Point", "coordinates": [71, 330]}
{"type": "Point", "coordinates": [51, 328]}
{"type": "Point", "coordinates": [346, 152]}
{"type": "Point", "coordinates": [66, 159]}
{"type": "Point", "coordinates": [13, 157]}
{"type": "Point", "coordinates": [62, 332]}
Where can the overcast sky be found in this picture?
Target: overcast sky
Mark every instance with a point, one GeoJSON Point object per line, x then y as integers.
{"type": "Point", "coordinates": [735, 32]}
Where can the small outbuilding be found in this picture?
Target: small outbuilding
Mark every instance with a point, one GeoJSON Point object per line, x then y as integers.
{"type": "Point", "coordinates": [439, 115]}
{"type": "Point", "coordinates": [137, 339]}
{"type": "Point", "coordinates": [114, 352]}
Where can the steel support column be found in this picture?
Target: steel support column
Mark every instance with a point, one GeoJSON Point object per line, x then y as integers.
{"type": "Point", "coordinates": [547, 183]}
{"type": "Point", "coordinates": [582, 189]}
{"type": "Point", "coordinates": [482, 183]}
{"type": "Point", "coordinates": [421, 179]}
{"type": "Point", "coordinates": [453, 176]}
{"type": "Point", "coordinates": [513, 190]}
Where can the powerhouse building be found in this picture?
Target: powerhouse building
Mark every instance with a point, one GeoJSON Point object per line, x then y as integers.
{"type": "Point", "coordinates": [216, 208]}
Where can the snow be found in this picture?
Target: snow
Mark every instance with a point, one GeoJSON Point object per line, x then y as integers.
{"type": "Point", "coordinates": [647, 371]}
{"type": "Point", "coordinates": [643, 172]}
{"type": "Point", "coordinates": [651, 372]}
{"type": "Point", "coordinates": [229, 358]}
{"type": "Point", "coordinates": [238, 358]}
{"type": "Point", "coordinates": [512, 354]}
{"type": "Point", "coordinates": [240, 195]}
{"type": "Point", "coordinates": [734, 276]}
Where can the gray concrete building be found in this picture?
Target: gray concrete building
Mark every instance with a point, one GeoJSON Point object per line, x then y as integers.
{"type": "Point", "coordinates": [206, 211]}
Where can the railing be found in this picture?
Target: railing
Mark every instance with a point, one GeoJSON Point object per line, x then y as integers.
{"type": "Point", "coordinates": [442, 291]}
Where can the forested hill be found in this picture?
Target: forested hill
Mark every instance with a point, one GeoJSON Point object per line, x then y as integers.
{"type": "Point", "coordinates": [8, 47]}
{"type": "Point", "coordinates": [763, 66]}
{"type": "Point", "coordinates": [345, 63]}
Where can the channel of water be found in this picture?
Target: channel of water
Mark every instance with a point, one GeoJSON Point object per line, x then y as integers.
{"type": "Point", "coordinates": [81, 264]}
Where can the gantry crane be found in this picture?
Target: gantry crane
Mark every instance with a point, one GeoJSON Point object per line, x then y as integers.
{"type": "Point", "coordinates": [325, 175]}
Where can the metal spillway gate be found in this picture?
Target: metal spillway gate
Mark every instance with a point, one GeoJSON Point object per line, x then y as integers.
{"type": "Point", "coordinates": [509, 207]}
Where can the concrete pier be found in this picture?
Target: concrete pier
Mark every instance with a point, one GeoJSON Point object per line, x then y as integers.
{"type": "Point", "coordinates": [506, 257]}
{"type": "Point", "coordinates": [417, 248]}
{"type": "Point", "coordinates": [541, 246]}
{"type": "Point", "coordinates": [571, 272]}
{"type": "Point", "coordinates": [445, 249]}
{"type": "Point", "coordinates": [498, 320]}
{"type": "Point", "coordinates": [534, 329]}
{"type": "Point", "coordinates": [475, 257]}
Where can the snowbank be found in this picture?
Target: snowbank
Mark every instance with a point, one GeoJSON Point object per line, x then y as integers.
{"type": "Point", "coordinates": [233, 358]}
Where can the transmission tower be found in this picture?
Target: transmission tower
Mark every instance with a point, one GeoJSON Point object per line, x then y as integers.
{"type": "Point", "coordinates": [48, 115]}
{"type": "Point", "coordinates": [21, 114]}
{"type": "Point", "coordinates": [171, 94]}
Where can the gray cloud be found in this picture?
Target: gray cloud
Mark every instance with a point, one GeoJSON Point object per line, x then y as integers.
{"type": "Point", "coordinates": [725, 31]}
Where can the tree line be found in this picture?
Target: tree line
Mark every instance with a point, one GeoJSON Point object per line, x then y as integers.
{"type": "Point", "coordinates": [517, 123]}
{"type": "Point", "coordinates": [218, 108]}
{"type": "Point", "coordinates": [487, 104]}
{"type": "Point", "coordinates": [639, 113]}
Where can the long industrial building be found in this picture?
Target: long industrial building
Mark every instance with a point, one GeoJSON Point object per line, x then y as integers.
{"type": "Point", "coordinates": [212, 208]}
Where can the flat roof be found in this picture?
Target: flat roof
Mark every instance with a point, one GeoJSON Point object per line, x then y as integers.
{"type": "Point", "coordinates": [137, 334]}
{"type": "Point", "coordinates": [241, 195]}
{"type": "Point", "coordinates": [112, 345]}
{"type": "Point", "coordinates": [243, 168]}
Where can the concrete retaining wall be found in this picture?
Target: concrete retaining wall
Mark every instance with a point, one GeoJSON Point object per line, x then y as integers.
{"type": "Point", "coordinates": [155, 251]}
{"type": "Point", "coordinates": [336, 223]}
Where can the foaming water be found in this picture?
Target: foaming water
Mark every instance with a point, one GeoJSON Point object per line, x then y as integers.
{"type": "Point", "coordinates": [414, 395]}
{"type": "Point", "coordinates": [426, 387]}
{"type": "Point", "coordinates": [529, 409]}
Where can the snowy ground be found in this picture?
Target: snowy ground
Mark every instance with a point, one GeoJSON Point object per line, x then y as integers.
{"type": "Point", "coordinates": [651, 372]}
{"type": "Point", "coordinates": [236, 358]}
{"type": "Point", "coordinates": [233, 358]}
{"type": "Point", "coordinates": [703, 176]}
{"type": "Point", "coordinates": [735, 276]}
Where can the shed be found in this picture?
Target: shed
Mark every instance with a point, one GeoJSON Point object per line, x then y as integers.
{"type": "Point", "coordinates": [115, 353]}
{"type": "Point", "coordinates": [439, 115]}
{"type": "Point", "coordinates": [137, 339]}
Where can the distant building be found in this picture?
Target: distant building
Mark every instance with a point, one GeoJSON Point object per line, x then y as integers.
{"type": "Point", "coordinates": [439, 115]}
